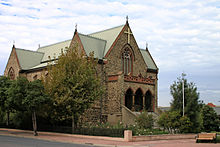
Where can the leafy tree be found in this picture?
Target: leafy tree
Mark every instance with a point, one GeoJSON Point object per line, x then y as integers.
{"type": "Point", "coordinates": [173, 122]}
{"type": "Point", "coordinates": [35, 97]}
{"type": "Point", "coordinates": [27, 96]}
{"type": "Point", "coordinates": [17, 92]}
{"type": "Point", "coordinates": [73, 84]}
{"type": "Point", "coordinates": [145, 121]}
{"type": "Point", "coordinates": [192, 104]}
{"type": "Point", "coordinates": [4, 86]}
{"type": "Point", "coordinates": [185, 125]}
{"type": "Point", "coordinates": [170, 121]}
{"type": "Point", "coordinates": [210, 119]}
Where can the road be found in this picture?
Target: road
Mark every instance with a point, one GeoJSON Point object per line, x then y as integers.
{"type": "Point", "coordinates": [12, 141]}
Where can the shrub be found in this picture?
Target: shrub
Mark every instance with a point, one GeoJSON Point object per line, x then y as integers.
{"type": "Point", "coordinates": [145, 121]}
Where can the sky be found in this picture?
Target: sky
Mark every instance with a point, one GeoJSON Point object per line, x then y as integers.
{"type": "Point", "coordinates": [182, 36]}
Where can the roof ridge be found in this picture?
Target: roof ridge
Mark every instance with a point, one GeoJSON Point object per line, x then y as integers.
{"type": "Point", "coordinates": [93, 37]}
{"type": "Point", "coordinates": [54, 43]}
{"type": "Point", "coordinates": [105, 30]}
{"type": "Point", "coordinates": [29, 50]}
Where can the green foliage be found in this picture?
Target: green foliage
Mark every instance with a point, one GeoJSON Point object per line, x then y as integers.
{"type": "Point", "coordinates": [17, 92]}
{"type": "Point", "coordinates": [145, 120]}
{"type": "Point", "coordinates": [73, 84]}
{"type": "Point", "coordinates": [210, 119]}
{"type": "Point", "coordinates": [170, 121]}
{"type": "Point", "coordinates": [173, 122]}
{"type": "Point", "coordinates": [4, 86]}
{"type": "Point", "coordinates": [21, 120]}
{"type": "Point", "coordinates": [35, 95]}
{"type": "Point", "coordinates": [192, 104]}
{"type": "Point", "coordinates": [185, 125]}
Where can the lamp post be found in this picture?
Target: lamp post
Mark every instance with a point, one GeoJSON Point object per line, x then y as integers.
{"type": "Point", "coordinates": [183, 75]}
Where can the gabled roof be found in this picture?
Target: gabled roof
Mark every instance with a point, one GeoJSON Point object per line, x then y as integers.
{"type": "Point", "coordinates": [109, 35]}
{"type": "Point", "coordinates": [98, 42]}
{"type": "Point", "coordinates": [92, 44]}
{"type": "Point", "coordinates": [28, 59]}
{"type": "Point", "coordinates": [148, 59]}
{"type": "Point", "coordinates": [53, 50]}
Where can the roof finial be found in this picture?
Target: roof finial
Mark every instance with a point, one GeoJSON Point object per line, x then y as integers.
{"type": "Point", "coordinates": [13, 43]}
{"type": "Point", "coordinates": [146, 46]}
{"type": "Point", "coordinates": [76, 27]}
{"type": "Point", "coordinates": [127, 19]}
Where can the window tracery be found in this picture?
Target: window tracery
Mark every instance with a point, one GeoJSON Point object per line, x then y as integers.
{"type": "Point", "coordinates": [127, 61]}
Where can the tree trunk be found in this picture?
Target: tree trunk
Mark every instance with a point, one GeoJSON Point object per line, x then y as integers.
{"type": "Point", "coordinates": [73, 124]}
{"type": "Point", "coordinates": [34, 121]}
{"type": "Point", "coordinates": [8, 117]}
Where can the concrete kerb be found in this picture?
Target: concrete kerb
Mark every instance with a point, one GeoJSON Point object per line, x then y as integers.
{"type": "Point", "coordinates": [127, 136]}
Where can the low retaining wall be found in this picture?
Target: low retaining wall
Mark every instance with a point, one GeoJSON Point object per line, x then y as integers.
{"type": "Point", "coordinates": [129, 137]}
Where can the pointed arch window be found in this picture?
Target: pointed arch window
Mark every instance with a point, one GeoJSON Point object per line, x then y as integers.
{"type": "Point", "coordinates": [127, 61]}
{"type": "Point", "coordinates": [11, 73]}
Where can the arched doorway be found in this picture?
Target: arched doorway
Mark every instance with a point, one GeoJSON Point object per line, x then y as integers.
{"type": "Point", "coordinates": [148, 101]}
{"type": "Point", "coordinates": [128, 98]}
{"type": "Point", "coordinates": [138, 103]}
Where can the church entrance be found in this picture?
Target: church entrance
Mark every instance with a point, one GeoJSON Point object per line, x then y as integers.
{"type": "Point", "coordinates": [148, 101]}
{"type": "Point", "coordinates": [128, 99]}
{"type": "Point", "coordinates": [138, 103]}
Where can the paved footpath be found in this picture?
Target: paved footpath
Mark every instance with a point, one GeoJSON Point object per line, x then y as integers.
{"type": "Point", "coordinates": [103, 141]}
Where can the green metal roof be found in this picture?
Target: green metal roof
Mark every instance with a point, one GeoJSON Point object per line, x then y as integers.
{"type": "Point", "coordinates": [148, 59]}
{"type": "Point", "coordinates": [53, 50]}
{"type": "Point", "coordinates": [28, 59]}
{"type": "Point", "coordinates": [109, 35]}
{"type": "Point", "coordinates": [92, 44]}
{"type": "Point", "coordinates": [99, 43]}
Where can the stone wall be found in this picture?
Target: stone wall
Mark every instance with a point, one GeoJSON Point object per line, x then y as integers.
{"type": "Point", "coordinates": [12, 63]}
{"type": "Point", "coordinates": [114, 57]}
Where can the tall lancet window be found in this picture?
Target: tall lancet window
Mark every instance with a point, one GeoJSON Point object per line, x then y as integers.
{"type": "Point", "coordinates": [127, 61]}
{"type": "Point", "coordinates": [11, 73]}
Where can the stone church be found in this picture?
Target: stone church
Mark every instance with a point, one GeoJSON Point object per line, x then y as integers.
{"type": "Point", "coordinates": [128, 73]}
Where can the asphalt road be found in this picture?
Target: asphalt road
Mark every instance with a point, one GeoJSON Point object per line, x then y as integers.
{"type": "Point", "coordinates": [12, 141]}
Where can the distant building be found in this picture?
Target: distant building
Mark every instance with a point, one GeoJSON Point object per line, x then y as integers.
{"type": "Point", "coordinates": [216, 108]}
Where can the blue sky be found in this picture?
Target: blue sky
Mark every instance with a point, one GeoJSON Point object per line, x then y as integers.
{"type": "Point", "coordinates": [181, 35]}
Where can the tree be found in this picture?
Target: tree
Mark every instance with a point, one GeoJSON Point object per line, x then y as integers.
{"type": "Point", "coordinates": [192, 104]}
{"type": "Point", "coordinates": [16, 93]}
{"type": "Point", "coordinates": [4, 86]}
{"type": "Point", "coordinates": [185, 124]}
{"type": "Point", "coordinates": [73, 84]}
{"type": "Point", "coordinates": [27, 96]}
{"type": "Point", "coordinates": [35, 97]}
{"type": "Point", "coordinates": [210, 119]}
{"type": "Point", "coordinates": [173, 122]}
{"type": "Point", "coordinates": [170, 121]}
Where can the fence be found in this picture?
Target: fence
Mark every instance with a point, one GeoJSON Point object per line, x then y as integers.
{"type": "Point", "coordinates": [95, 131]}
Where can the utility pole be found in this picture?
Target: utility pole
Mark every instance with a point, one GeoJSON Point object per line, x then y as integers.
{"type": "Point", "coordinates": [183, 75]}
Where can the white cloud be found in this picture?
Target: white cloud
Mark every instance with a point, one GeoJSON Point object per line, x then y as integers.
{"type": "Point", "coordinates": [182, 35]}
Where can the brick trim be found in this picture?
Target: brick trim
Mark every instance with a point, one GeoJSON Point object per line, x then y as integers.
{"type": "Point", "coordinates": [113, 78]}
{"type": "Point", "coordinates": [138, 79]}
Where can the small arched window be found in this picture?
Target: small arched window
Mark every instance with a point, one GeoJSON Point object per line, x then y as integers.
{"type": "Point", "coordinates": [127, 61]}
{"type": "Point", "coordinates": [35, 77]}
{"type": "Point", "coordinates": [11, 73]}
